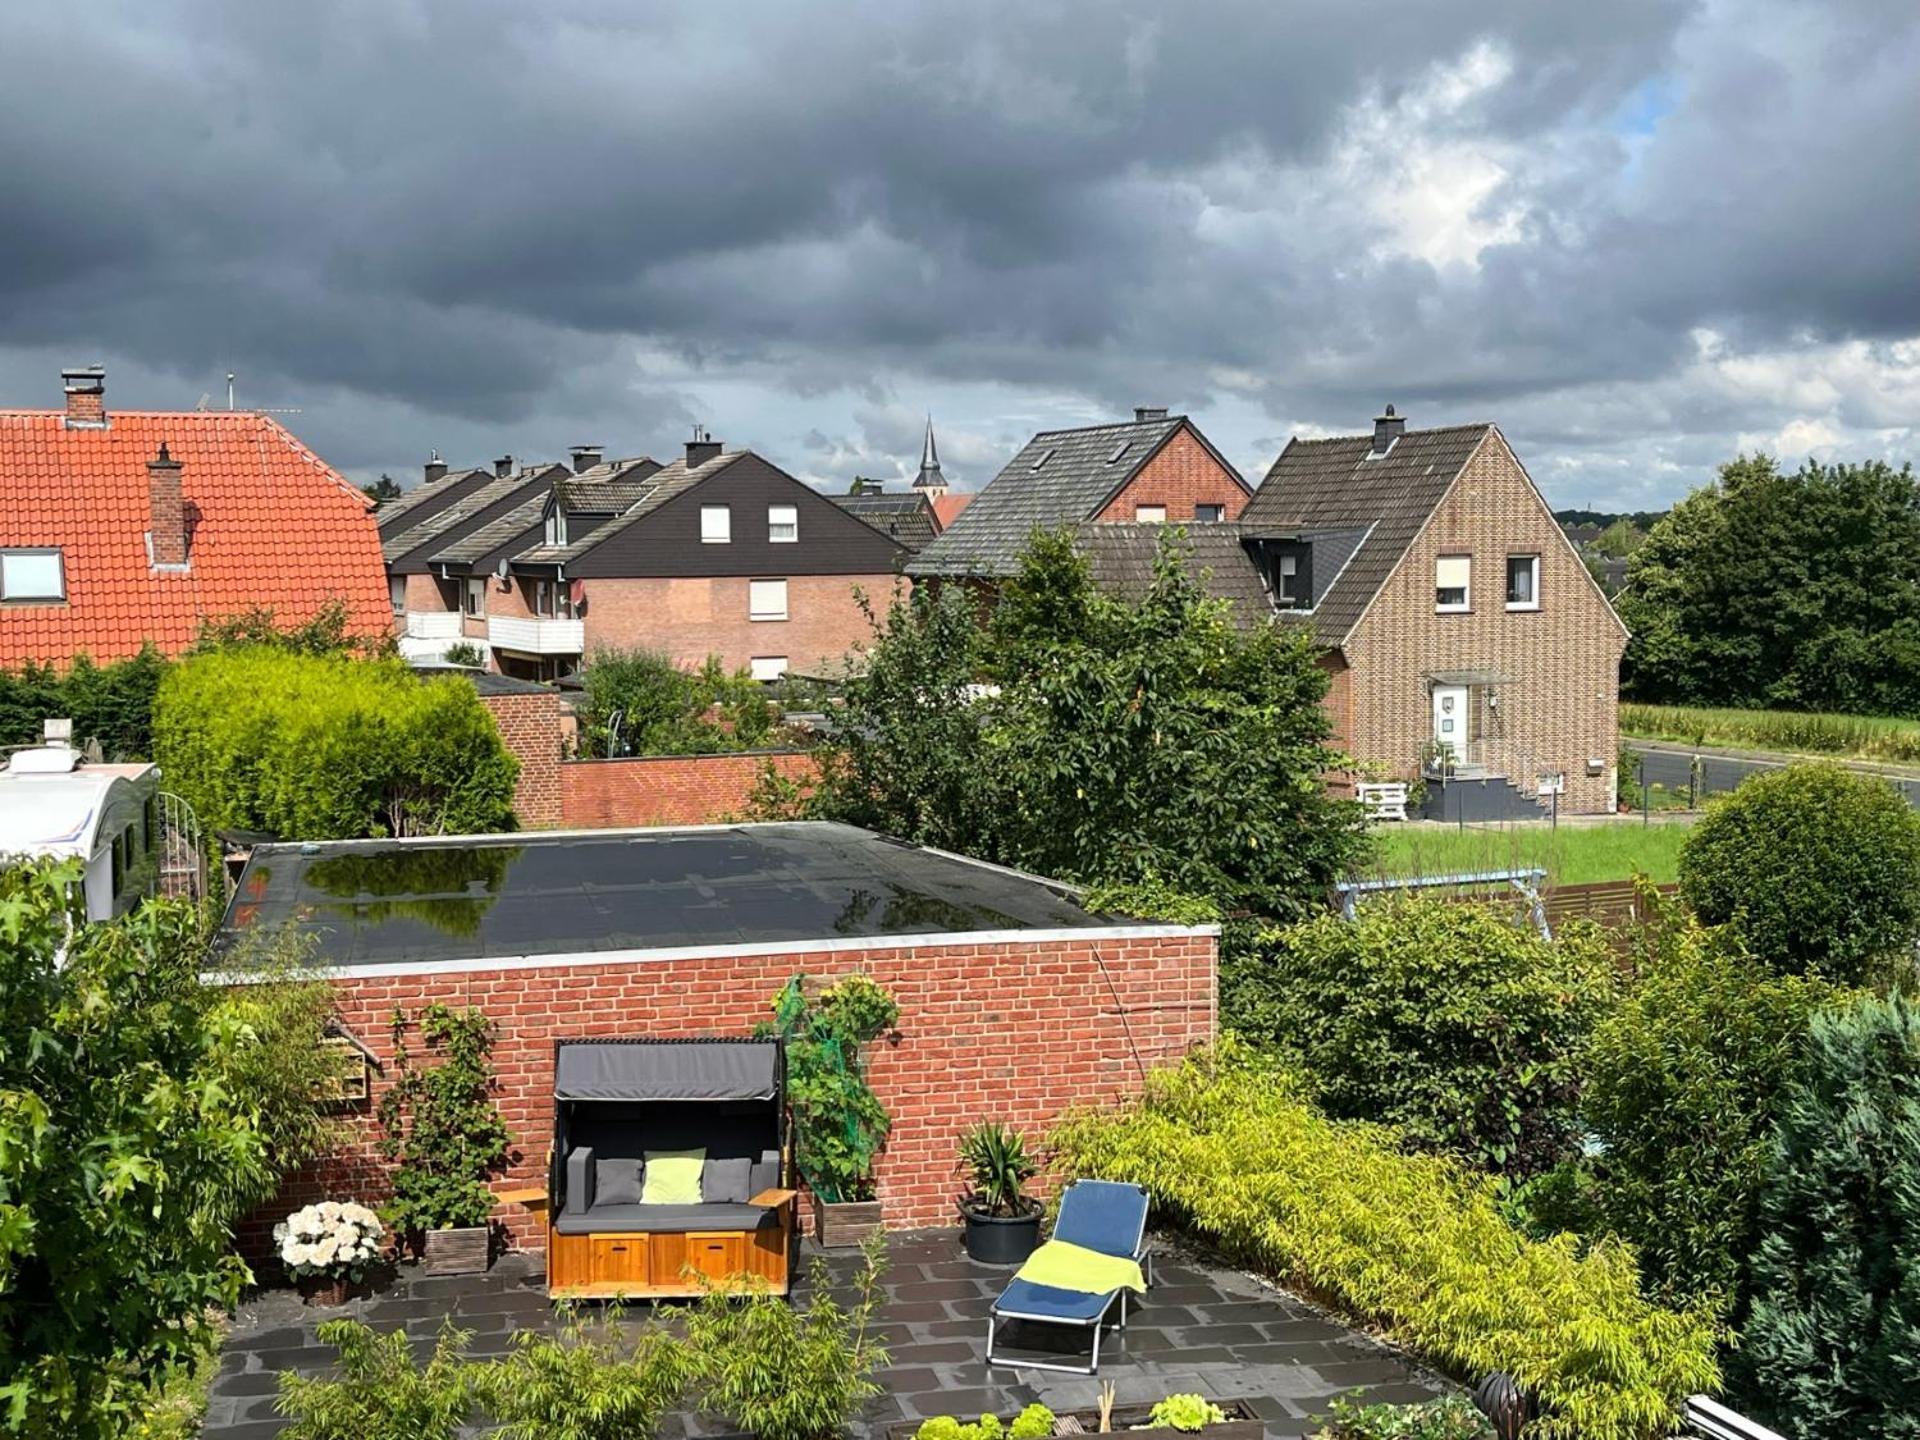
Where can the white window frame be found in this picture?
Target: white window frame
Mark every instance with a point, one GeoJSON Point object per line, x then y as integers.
{"type": "Point", "coordinates": [1149, 514]}
{"type": "Point", "coordinates": [760, 600]}
{"type": "Point", "coordinates": [1465, 602]}
{"type": "Point", "coordinates": [1219, 513]}
{"type": "Point", "coordinates": [1533, 562]}
{"type": "Point", "coordinates": [557, 527]}
{"type": "Point", "coordinates": [1287, 579]}
{"type": "Point", "coordinates": [27, 596]}
{"type": "Point", "coordinates": [716, 524]}
{"type": "Point", "coordinates": [397, 593]}
{"type": "Point", "coordinates": [767, 667]}
{"type": "Point", "coordinates": [790, 524]}
{"type": "Point", "coordinates": [543, 599]}
{"type": "Point", "coordinates": [473, 601]}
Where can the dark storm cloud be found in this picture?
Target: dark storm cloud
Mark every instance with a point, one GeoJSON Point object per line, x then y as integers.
{"type": "Point", "coordinates": [443, 221]}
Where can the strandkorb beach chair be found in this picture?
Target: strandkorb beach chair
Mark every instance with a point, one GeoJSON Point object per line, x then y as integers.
{"type": "Point", "coordinates": [1103, 1216]}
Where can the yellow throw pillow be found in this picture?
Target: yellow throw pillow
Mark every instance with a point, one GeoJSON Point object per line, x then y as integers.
{"type": "Point", "coordinates": [673, 1177]}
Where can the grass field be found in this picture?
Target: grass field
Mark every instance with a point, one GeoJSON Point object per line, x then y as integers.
{"type": "Point", "coordinates": [1571, 855]}
{"type": "Point", "coordinates": [1802, 733]}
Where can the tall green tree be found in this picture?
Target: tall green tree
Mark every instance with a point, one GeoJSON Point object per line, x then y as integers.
{"type": "Point", "coordinates": [1799, 591]}
{"type": "Point", "coordinates": [1099, 738]}
{"type": "Point", "coordinates": [1832, 1349]}
{"type": "Point", "coordinates": [141, 1115]}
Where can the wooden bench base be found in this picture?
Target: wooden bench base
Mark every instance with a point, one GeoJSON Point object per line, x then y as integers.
{"type": "Point", "coordinates": [669, 1265]}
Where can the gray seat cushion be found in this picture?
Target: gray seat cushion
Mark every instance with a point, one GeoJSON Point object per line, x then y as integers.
{"type": "Point", "coordinates": [646, 1219]}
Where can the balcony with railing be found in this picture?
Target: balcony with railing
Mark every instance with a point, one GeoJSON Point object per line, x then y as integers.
{"type": "Point", "coordinates": [433, 624]}
{"type": "Point", "coordinates": [536, 636]}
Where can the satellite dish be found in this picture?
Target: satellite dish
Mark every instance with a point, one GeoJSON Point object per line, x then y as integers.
{"type": "Point", "coordinates": [500, 571]}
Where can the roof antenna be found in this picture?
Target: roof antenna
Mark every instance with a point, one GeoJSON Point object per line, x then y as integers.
{"type": "Point", "coordinates": [229, 389]}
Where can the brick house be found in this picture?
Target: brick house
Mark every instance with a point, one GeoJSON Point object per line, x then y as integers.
{"type": "Point", "coordinates": [718, 553]}
{"type": "Point", "coordinates": [1463, 636]}
{"type": "Point", "coordinates": [122, 528]}
{"type": "Point", "coordinates": [1157, 468]}
{"type": "Point", "coordinates": [676, 933]}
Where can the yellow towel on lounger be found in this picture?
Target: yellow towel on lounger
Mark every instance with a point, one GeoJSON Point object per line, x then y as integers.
{"type": "Point", "coordinates": [1067, 1266]}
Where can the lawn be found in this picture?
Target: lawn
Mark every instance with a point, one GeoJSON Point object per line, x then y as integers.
{"type": "Point", "coordinates": [1571, 855]}
{"type": "Point", "coordinates": [1797, 732]}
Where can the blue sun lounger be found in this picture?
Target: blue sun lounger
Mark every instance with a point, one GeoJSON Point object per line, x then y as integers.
{"type": "Point", "coordinates": [1101, 1215]}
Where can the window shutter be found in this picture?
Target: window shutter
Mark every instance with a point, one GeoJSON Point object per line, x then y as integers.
{"type": "Point", "coordinates": [1451, 572]}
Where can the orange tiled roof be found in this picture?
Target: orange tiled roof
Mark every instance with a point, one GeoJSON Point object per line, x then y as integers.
{"type": "Point", "coordinates": [269, 524]}
{"type": "Point", "coordinates": [947, 508]}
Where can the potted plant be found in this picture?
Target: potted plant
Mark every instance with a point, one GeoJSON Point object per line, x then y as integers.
{"type": "Point", "coordinates": [447, 1139]}
{"type": "Point", "coordinates": [1002, 1221]}
{"type": "Point", "coordinates": [839, 1124]}
{"type": "Point", "coordinates": [327, 1248]}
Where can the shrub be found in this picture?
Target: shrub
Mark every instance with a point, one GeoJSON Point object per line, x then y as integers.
{"type": "Point", "coordinates": [1033, 1423]}
{"type": "Point", "coordinates": [1185, 1412]}
{"type": "Point", "coordinates": [638, 702]}
{"type": "Point", "coordinates": [590, 1382]}
{"type": "Point", "coordinates": [1451, 1418]}
{"type": "Point", "coordinates": [112, 704]}
{"type": "Point", "coordinates": [1412, 1243]}
{"type": "Point", "coordinates": [440, 1124]}
{"type": "Point", "coordinates": [839, 1124]}
{"type": "Point", "coordinates": [380, 1393]}
{"type": "Point", "coordinates": [1681, 1086]}
{"type": "Point", "coordinates": [1814, 866]}
{"type": "Point", "coordinates": [325, 747]}
{"type": "Point", "coordinates": [1443, 1019]}
{"type": "Point", "coordinates": [994, 1157]}
{"type": "Point", "coordinates": [783, 1373]}
{"type": "Point", "coordinates": [465, 652]}
{"type": "Point", "coordinates": [1832, 1347]}
{"type": "Point", "coordinates": [137, 1126]}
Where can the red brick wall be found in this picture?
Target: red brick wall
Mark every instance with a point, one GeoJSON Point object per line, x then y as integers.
{"type": "Point", "coordinates": [1182, 475]}
{"type": "Point", "coordinates": [668, 789]}
{"type": "Point", "coordinates": [1017, 1032]}
{"type": "Point", "coordinates": [691, 618]}
{"type": "Point", "coordinates": [533, 728]}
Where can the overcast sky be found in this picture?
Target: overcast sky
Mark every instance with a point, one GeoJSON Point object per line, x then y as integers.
{"type": "Point", "coordinates": [1641, 236]}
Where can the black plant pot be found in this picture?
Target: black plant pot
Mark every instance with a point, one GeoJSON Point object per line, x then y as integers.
{"type": "Point", "coordinates": [1000, 1239]}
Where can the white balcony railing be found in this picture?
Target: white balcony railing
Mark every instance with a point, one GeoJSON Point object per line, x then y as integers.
{"type": "Point", "coordinates": [433, 624]}
{"type": "Point", "coordinates": [536, 637]}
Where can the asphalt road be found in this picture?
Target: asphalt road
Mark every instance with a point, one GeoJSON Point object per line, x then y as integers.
{"type": "Point", "coordinates": [1718, 772]}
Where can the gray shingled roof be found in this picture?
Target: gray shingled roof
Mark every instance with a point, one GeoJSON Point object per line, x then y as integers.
{"type": "Point", "coordinates": [1080, 470]}
{"type": "Point", "coordinates": [1121, 558]}
{"type": "Point", "coordinates": [392, 512]}
{"type": "Point", "coordinates": [905, 516]}
{"type": "Point", "coordinates": [498, 531]}
{"type": "Point", "coordinates": [1339, 484]}
{"type": "Point", "coordinates": [661, 487]}
{"type": "Point", "coordinates": [610, 488]}
{"type": "Point", "coordinates": [420, 536]}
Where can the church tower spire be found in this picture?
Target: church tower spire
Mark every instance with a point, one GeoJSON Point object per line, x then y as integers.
{"type": "Point", "coordinates": [931, 482]}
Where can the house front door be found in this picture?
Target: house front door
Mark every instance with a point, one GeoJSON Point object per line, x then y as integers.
{"type": "Point", "coordinates": [1450, 718]}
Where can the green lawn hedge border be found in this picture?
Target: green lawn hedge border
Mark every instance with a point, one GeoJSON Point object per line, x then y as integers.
{"type": "Point", "coordinates": [1227, 1148]}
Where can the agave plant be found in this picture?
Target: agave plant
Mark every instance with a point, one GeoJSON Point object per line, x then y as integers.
{"type": "Point", "coordinates": [995, 1157]}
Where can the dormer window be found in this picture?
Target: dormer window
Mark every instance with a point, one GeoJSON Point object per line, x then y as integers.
{"type": "Point", "coordinates": [1289, 587]}
{"type": "Point", "coordinates": [556, 526]}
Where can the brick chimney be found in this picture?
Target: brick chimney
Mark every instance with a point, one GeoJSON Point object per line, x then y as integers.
{"type": "Point", "coordinates": [167, 539]}
{"type": "Point", "coordinates": [701, 448]}
{"type": "Point", "coordinates": [435, 468]}
{"type": "Point", "coordinates": [585, 457]}
{"type": "Point", "coordinates": [503, 467]}
{"type": "Point", "coordinates": [1387, 428]}
{"type": "Point", "coordinates": [86, 387]}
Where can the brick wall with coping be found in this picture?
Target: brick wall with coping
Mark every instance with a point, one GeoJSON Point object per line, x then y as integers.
{"type": "Point", "coordinates": [1005, 1029]}
{"type": "Point", "coordinates": [533, 726]}
{"type": "Point", "coordinates": [1560, 706]}
{"type": "Point", "coordinates": [670, 789]}
{"type": "Point", "coordinates": [1182, 475]}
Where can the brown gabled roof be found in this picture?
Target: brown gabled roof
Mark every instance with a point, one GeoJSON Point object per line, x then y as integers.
{"type": "Point", "coordinates": [662, 486]}
{"type": "Point", "coordinates": [1340, 484]}
{"type": "Point", "coordinates": [1121, 557]}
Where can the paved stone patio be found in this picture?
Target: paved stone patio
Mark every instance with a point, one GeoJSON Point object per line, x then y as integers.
{"type": "Point", "coordinates": [1201, 1328]}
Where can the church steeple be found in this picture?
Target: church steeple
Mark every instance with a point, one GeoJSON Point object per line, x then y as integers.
{"type": "Point", "coordinates": [931, 482]}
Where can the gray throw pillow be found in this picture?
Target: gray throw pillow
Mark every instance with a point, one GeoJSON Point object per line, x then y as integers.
{"type": "Point", "coordinates": [724, 1182]}
{"type": "Point", "coordinates": [617, 1182]}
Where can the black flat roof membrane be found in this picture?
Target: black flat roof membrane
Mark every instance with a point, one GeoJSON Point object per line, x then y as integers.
{"type": "Point", "coordinates": [383, 902]}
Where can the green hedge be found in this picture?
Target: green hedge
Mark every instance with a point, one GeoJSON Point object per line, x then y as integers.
{"type": "Point", "coordinates": [317, 747]}
{"type": "Point", "coordinates": [1412, 1243]}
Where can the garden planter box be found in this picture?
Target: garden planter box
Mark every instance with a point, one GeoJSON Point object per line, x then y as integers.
{"type": "Point", "coordinates": [457, 1252]}
{"type": "Point", "coordinates": [1242, 1423]}
{"type": "Point", "coordinates": [841, 1225]}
